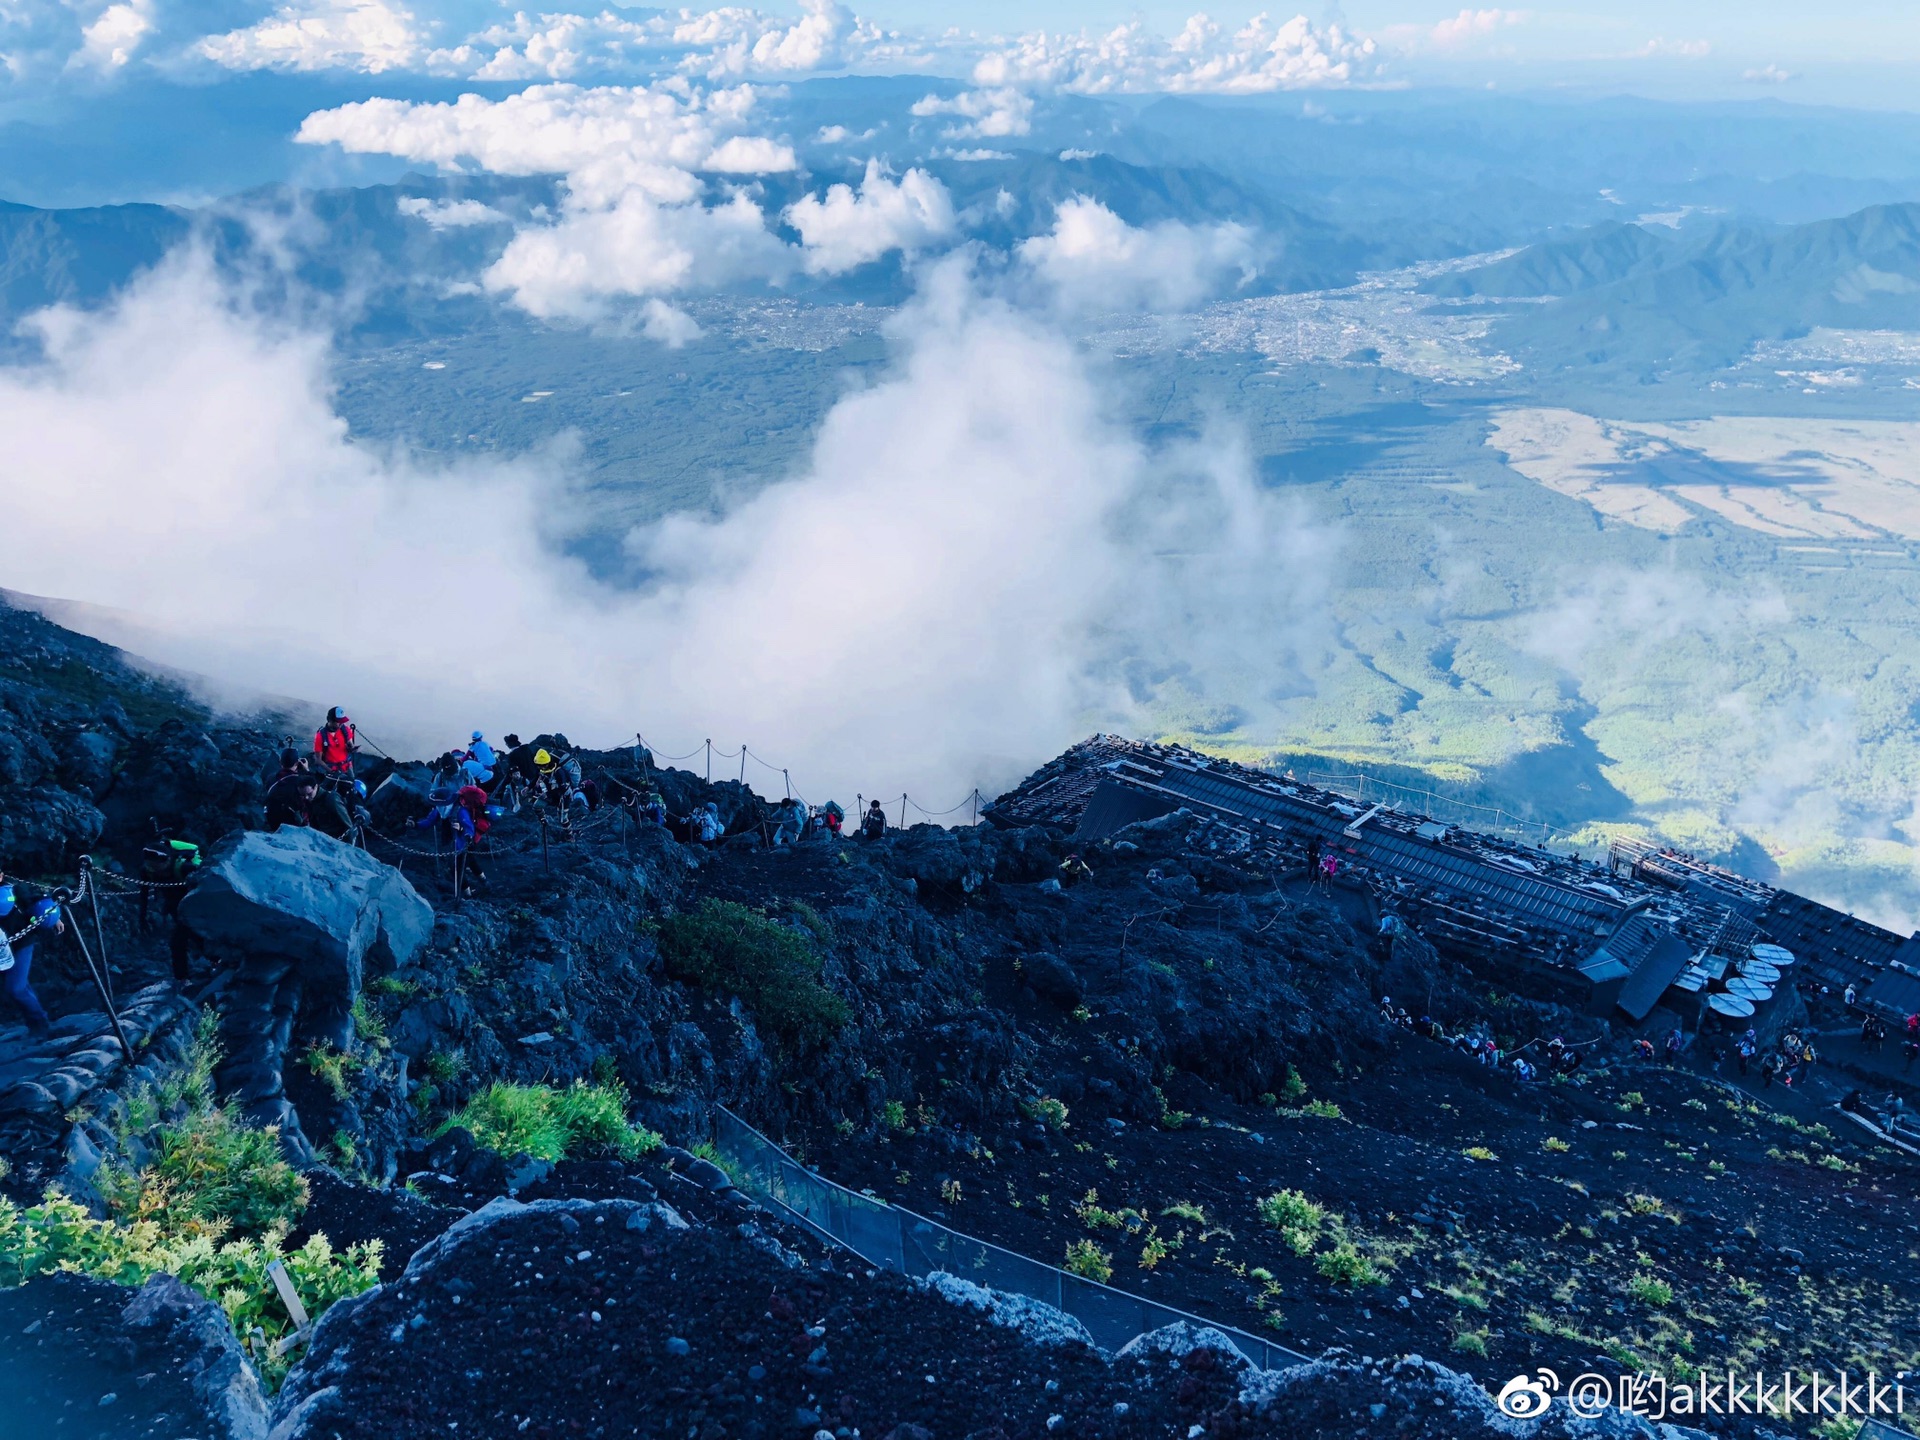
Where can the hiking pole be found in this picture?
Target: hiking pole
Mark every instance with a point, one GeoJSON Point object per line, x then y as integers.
{"type": "Point", "coordinates": [458, 859]}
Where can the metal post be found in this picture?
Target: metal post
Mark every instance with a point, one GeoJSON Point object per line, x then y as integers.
{"type": "Point", "coordinates": [709, 761]}
{"type": "Point", "coordinates": [789, 783]}
{"type": "Point", "coordinates": [973, 815]}
{"type": "Point", "coordinates": [459, 861]}
{"type": "Point", "coordinates": [99, 980]}
{"type": "Point", "coordinates": [545, 862]}
{"type": "Point", "coordinates": [903, 809]}
{"type": "Point", "coordinates": [743, 762]}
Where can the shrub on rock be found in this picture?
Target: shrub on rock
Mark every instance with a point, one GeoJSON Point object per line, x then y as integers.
{"type": "Point", "coordinates": [774, 968]}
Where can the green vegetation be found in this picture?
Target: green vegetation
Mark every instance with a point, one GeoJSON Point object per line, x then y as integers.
{"type": "Point", "coordinates": [1294, 1087]}
{"type": "Point", "coordinates": [209, 1172]}
{"type": "Point", "coordinates": [1298, 1219]}
{"type": "Point", "coordinates": [551, 1124]}
{"type": "Point", "coordinates": [1345, 1265]}
{"type": "Point", "coordinates": [893, 1115]}
{"type": "Point", "coordinates": [1649, 1291]}
{"type": "Point", "coordinates": [1470, 1342]}
{"type": "Point", "coordinates": [774, 968]}
{"type": "Point", "coordinates": [1089, 1261]}
{"type": "Point", "coordinates": [1186, 1210]}
{"type": "Point", "coordinates": [1480, 1153]}
{"type": "Point", "coordinates": [334, 1068]}
{"type": "Point", "coordinates": [1555, 1144]}
{"type": "Point", "coordinates": [1051, 1112]}
{"type": "Point", "coordinates": [213, 1208]}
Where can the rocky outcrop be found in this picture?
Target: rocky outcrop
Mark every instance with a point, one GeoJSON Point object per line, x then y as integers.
{"type": "Point", "coordinates": [72, 1068]}
{"type": "Point", "coordinates": [303, 917]}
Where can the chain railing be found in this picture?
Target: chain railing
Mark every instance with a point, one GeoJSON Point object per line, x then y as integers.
{"type": "Point", "coordinates": [897, 1239]}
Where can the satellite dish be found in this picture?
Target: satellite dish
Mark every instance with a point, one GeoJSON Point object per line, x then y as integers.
{"type": "Point", "coordinates": [1730, 1005]}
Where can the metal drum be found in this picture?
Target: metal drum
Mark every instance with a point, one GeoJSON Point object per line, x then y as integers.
{"type": "Point", "coordinates": [1748, 989]}
{"type": "Point", "coordinates": [1730, 1005]}
{"type": "Point", "coordinates": [1761, 970]}
{"type": "Point", "coordinates": [1772, 954]}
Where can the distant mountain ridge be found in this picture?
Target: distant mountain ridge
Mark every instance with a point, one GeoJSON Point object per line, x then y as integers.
{"type": "Point", "coordinates": [1626, 295]}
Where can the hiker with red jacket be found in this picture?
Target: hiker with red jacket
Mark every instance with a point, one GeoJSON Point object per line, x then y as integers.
{"type": "Point", "coordinates": [333, 743]}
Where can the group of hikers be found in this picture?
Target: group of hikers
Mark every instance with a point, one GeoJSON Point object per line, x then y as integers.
{"type": "Point", "coordinates": [1556, 1056]}
{"type": "Point", "coordinates": [475, 784]}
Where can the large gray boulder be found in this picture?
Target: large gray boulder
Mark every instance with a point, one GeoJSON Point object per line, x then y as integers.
{"type": "Point", "coordinates": [310, 898]}
{"type": "Point", "coordinates": [302, 909]}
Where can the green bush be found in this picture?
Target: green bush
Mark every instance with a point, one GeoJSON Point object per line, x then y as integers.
{"type": "Point", "coordinates": [551, 1124]}
{"type": "Point", "coordinates": [1650, 1291]}
{"type": "Point", "coordinates": [1089, 1261]}
{"type": "Point", "coordinates": [774, 968]}
{"type": "Point", "coordinates": [1345, 1265]}
{"type": "Point", "coordinates": [58, 1234]}
{"type": "Point", "coordinates": [210, 1172]}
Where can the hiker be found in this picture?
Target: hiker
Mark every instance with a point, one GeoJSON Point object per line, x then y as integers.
{"type": "Point", "coordinates": [1329, 867]}
{"type": "Point", "coordinates": [1073, 870]}
{"type": "Point", "coordinates": [21, 927]}
{"type": "Point", "coordinates": [1769, 1067]}
{"type": "Point", "coordinates": [827, 819]}
{"type": "Point", "coordinates": [474, 770]}
{"type": "Point", "coordinates": [290, 800]}
{"type": "Point", "coordinates": [479, 750]}
{"type": "Point", "coordinates": [1911, 1051]}
{"type": "Point", "coordinates": [1745, 1052]}
{"type": "Point", "coordinates": [705, 826]}
{"type": "Point", "coordinates": [1848, 994]}
{"type": "Point", "coordinates": [874, 823]}
{"type": "Point", "coordinates": [790, 818]}
{"type": "Point", "coordinates": [1913, 1027]}
{"type": "Point", "coordinates": [1643, 1049]}
{"type": "Point", "coordinates": [291, 760]}
{"type": "Point", "coordinates": [165, 866]}
{"type": "Point", "coordinates": [652, 810]}
{"type": "Point", "coordinates": [1313, 859]}
{"type": "Point", "coordinates": [472, 803]}
{"type": "Point", "coordinates": [336, 808]}
{"type": "Point", "coordinates": [1676, 1042]}
{"type": "Point", "coordinates": [333, 742]}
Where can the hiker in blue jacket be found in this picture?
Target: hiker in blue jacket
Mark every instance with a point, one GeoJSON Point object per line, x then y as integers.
{"type": "Point", "coordinates": [21, 927]}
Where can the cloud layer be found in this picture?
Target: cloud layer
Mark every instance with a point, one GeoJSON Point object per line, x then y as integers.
{"type": "Point", "coordinates": [973, 564]}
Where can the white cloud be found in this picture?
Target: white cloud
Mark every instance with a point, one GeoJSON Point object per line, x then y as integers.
{"type": "Point", "coordinates": [1471, 25]}
{"type": "Point", "coordinates": [606, 140]}
{"type": "Point", "coordinates": [1078, 154]}
{"type": "Point", "coordinates": [110, 41]}
{"type": "Point", "coordinates": [637, 246]}
{"type": "Point", "coordinates": [1768, 74]}
{"type": "Point", "coordinates": [364, 35]}
{"type": "Point", "coordinates": [1660, 46]}
{"type": "Point", "coordinates": [1093, 261]}
{"type": "Point", "coordinates": [844, 229]}
{"type": "Point", "coordinates": [986, 114]}
{"type": "Point", "coordinates": [671, 326]}
{"type": "Point", "coordinates": [954, 551]}
{"type": "Point", "coordinates": [840, 135]}
{"type": "Point", "coordinates": [1259, 56]}
{"type": "Point", "coordinates": [450, 214]}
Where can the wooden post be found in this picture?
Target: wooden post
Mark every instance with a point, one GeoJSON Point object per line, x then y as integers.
{"type": "Point", "coordinates": [546, 861]}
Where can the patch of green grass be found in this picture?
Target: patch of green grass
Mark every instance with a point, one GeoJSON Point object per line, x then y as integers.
{"type": "Point", "coordinates": [1470, 1342]}
{"type": "Point", "coordinates": [773, 968]}
{"type": "Point", "coordinates": [394, 986]}
{"type": "Point", "coordinates": [1320, 1110]}
{"type": "Point", "coordinates": [1480, 1153]}
{"type": "Point", "coordinates": [444, 1067]}
{"type": "Point", "coordinates": [368, 1025]}
{"type": "Point", "coordinates": [1293, 1087]}
{"type": "Point", "coordinates": [334, 1068]}
{"type": "Point", "coordinates": [209, 1174]}
{"type": "Point", "coordinates": [551, 1124]}
{"type": "Point", "coordinates": [1555, 1144]}
{"type": "Point", "coordinates": [893, 1115]}
{"type": "Point", "coordinates": [1186, 1210]}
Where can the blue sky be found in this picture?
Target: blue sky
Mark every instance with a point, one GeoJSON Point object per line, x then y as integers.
{"type": "Point", "coordinates": [101, 98]}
